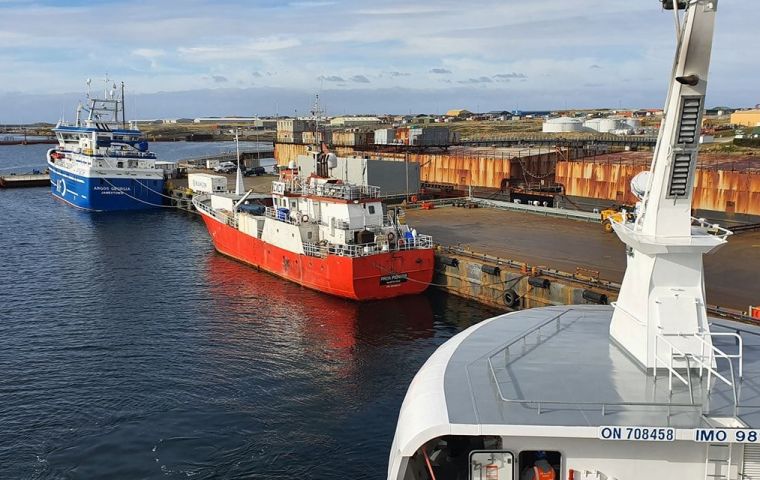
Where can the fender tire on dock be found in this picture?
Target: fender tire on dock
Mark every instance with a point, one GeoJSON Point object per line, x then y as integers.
{"type": "Point", "coordinates": [511, 299]}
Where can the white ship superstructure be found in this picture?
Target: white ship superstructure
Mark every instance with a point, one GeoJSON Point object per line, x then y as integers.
{"type": "Point", "coordinates": [100, 163]}
{"type": "Point", "coordinates": [649, 388]}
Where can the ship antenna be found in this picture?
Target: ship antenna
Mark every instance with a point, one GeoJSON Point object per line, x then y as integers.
{"type": "Point", "coordinates": [123, 112]}
{"type": "Point", "coordinates": [316, 113]}
{"type": "Point", "coordinates": [663, 288]}
{"type": "Point", "coordinates": [239, 187]}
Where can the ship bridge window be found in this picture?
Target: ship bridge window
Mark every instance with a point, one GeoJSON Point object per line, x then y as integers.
{"type": "Point", "coordinates": [454, 456]}
{"type": "Point", "coordinates": [535, 464]}
{"type": "Point", "coordinates": [371, 209]}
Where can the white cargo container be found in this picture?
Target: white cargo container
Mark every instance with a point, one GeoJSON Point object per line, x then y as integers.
{"type": "Point", "coordinates": [385, 136]}
{"type": "Point", "coordinates": [205, 183]}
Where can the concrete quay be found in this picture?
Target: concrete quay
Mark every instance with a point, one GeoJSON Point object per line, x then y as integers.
{"type": "Point", "coordinates": [732, 274]}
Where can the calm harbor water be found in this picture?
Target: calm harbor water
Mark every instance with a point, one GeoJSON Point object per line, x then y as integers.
{"type": "Point", "coordinates": [129, 349]}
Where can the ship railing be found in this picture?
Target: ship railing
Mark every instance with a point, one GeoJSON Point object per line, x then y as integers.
{"type": "Point", "coordinates": [420, 241]}
{"type": "Point", "coordinates": [314, 249]}
{"type": "Point", "coordinates": [341, 190]}
{"type": "Point", "coordinates": [708, 357]}
{"type": "Point", "coordinates": [133, 154]}
{"type": "Point", "coordinates": [711, 228]}
{"type": "Point", "coordinates": [274, 214]}
{"type": "Point", "coordinates": [200, 203]}
{"type": "Point", "coordinates": [544, 331]}
{"type": "Point", "coordinates": [365, 249]}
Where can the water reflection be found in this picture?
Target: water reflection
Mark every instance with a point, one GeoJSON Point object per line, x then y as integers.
{"type": "Point", "coordinates": [308, 318]}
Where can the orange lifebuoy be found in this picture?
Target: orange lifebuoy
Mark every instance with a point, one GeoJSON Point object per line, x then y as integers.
{"type": "Point", "coordinates": [413, 199]}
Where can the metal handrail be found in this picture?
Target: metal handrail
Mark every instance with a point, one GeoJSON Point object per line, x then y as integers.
{"type": "Point", "coordinates": [271, 212]}
{"type": "Point", "coordinates": [712, 228]}
{"type": "Point", "coordinates": [341, 190]}
{"type": "Point", "coordinates": [539, 403]}
{"type": "Point", "coordinates": [700, 359]}
{"type": "Point", "coordinates": [366, 249]}
{"type": "Point", "coordinates": [198, 201]}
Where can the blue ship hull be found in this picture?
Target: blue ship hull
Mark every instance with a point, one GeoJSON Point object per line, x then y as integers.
{"type": "Point", "coordinates": [106, 194]}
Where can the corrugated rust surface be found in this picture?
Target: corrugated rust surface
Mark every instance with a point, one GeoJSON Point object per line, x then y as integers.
{"type": "Point", "coordinates": [479, 170]}
{"type": "Point", "coordinates": [285, 152]}
{"type": "Point", "coordinates": [458, 167]}
{"type": "Point", "coordinates": [716, 186]}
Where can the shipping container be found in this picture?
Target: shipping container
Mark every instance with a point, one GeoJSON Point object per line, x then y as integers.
{"type": "Point", "coordinates": [385, 136]}
{"type": "Point", "coordinates": [294, 125]}
{"type": "Point", "coordinates": [205, 183]}
{"type": "Point", "coordinates": [429, 136]}
{"type": "Point", "coordinates": [352, 138]}
{"type": "Point", "coordinates": [391, 176]}
{"type": "Point", "coordinates": [402, 135]}
{"type": "Point", "coordinates": [309, 138]}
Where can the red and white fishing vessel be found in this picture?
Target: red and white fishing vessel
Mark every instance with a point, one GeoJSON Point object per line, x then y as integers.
{"type": "Point", "coordinates": [324, 234]}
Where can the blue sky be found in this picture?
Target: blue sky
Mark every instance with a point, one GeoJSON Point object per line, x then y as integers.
{"type": "Point", "coordinates": [194, 57]}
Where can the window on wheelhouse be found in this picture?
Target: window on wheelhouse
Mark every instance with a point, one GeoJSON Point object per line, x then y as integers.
{"type": "Point", "coordinates": [458, 456]}
{"type": "Point", "coordinates": [119, 164]}
{"type": "Point", "coordinates": [539, 465]}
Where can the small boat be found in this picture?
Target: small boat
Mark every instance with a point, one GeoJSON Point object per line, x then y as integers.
{"type": "Point", "coordinates": [102, 164]}
{"type": "Point", "coordinates": [324, 234]}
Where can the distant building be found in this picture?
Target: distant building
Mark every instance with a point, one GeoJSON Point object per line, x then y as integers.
{"type": "Point", "coordinates": [746, 118]}
{"type": "Point", "coordinates": [499, 115]}
{"type": "Point", "coordinates": [459, 113]}
{"type": "Point", "coordinates": [354, 121]}
{"type": "Point", "coordinates": [254, 121]}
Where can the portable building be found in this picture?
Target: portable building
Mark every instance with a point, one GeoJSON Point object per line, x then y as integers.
{"type": "Point", "coordinates": [391, 176]}
{"type": "Point", "coordinates": [205, 183]}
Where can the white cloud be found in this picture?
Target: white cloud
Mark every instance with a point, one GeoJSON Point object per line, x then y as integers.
{"type": "Point", "coordinates": [253, 49]}
{"type": "Point", "coordinates": [178, 45]}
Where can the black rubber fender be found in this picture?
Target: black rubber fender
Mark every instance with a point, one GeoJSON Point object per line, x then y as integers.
{"type": "Point", "coordinates": [511, 299]}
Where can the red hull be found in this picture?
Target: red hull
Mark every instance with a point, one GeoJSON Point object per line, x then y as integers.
{"type": "Point", "coordinates": [358, 278]}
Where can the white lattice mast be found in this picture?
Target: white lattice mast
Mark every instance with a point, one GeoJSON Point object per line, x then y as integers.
{"type": "Point", "coordinates": [663, 288]}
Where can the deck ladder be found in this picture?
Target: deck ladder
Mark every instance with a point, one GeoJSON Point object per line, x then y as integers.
{"type": "Point", "coordinates": [718, 461]}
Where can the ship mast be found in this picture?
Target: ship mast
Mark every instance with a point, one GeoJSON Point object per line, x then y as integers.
{"type": "Point", "coordinates": [663, 288]}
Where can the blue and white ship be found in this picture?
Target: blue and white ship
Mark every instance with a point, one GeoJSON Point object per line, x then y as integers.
{"type": "Point", "coordinates": [101, 164]}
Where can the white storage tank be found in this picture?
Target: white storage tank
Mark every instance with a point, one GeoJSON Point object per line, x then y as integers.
{"type": "Point", "coordinates": [592, 124]}
{"type": "Point", "coordinates": [607, 125]}
{"type": "Point", "coordinates": [562, 124]}
{"type": "Point", "coordinates": [205, 183]}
